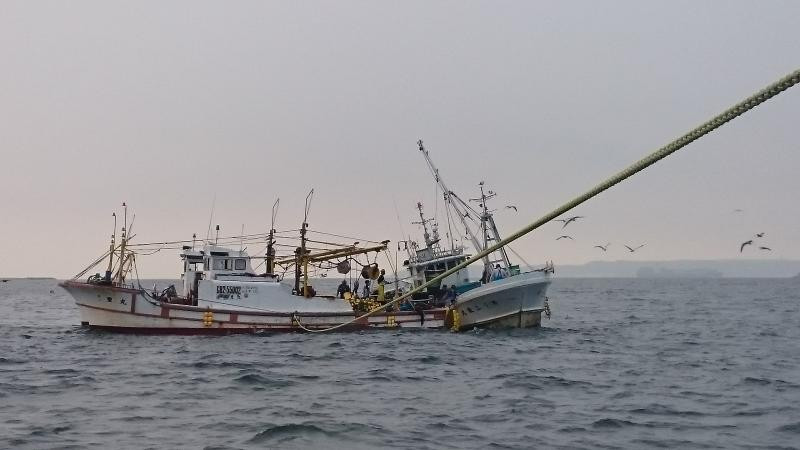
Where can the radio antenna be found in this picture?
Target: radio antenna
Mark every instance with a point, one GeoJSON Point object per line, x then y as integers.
{"type": "Point", "coordinates": [210, 219]}
{"type": "Point", "coordinates": [274, 212]}
{"type": "Point", "coordinates": [308, 203]}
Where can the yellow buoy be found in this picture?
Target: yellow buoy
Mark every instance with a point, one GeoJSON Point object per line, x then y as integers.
{"type": "Point", "coordinates": [208, 318]}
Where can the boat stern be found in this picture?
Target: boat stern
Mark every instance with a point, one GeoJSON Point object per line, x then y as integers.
{"type": "Point", "coordinates": [513, 302]}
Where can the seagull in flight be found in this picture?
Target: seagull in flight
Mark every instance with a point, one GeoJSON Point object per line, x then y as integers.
{"type": "Point", "coordinates": [760, 235]}
{"type": "Point", "coordinates": [601, 247]}
{"type": "Point", "coordinates": [511, 207]}
{"type": "Point", "coordinates": [564, 236]}
{"type": "Point", "coordinates": [745, 243]}
{"type": "Point", "coordinates": [765, 248]}
{"type": "Point", "coordinates": [568, 220]}
{"type": "Point", "coordinates": [634, 249]}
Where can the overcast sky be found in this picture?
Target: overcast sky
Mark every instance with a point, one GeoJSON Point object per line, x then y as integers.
{"type": "Point", "coordinates": [166, 104]}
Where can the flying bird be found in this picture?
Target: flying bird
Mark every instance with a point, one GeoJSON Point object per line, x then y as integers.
{"type": "Point", "coordinates": [511, 207]}
{"type": "Point", "coordinates": [634, 249]}
{"type": "Point", "coordinates": [745, 243]}
{"type": "Point", "coordinates": [760, 235]}
{"type": "Point", "coordinates": [601, 247]}
{"type": "Point", "coordinates": [765, 248]}
{"type": "Point", "coordinates": [564, 236]}
{"type": "Point", "coordinates": [568, 220]}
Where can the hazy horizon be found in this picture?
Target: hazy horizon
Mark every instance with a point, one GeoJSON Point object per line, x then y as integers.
{"type": "Point", "coordinates": [166, 106]}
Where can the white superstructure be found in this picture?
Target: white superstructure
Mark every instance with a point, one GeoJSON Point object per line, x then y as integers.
{"type": "Point", "coordinates": [217, 277]}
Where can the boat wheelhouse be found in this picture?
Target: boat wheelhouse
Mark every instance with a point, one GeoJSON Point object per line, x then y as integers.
{"type": "Point", "coordinates": [426, 263]}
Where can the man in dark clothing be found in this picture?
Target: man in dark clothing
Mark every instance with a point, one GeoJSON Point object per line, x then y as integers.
{"type": "Point", "coordinates": [367, 290]}
{"type": "Point", "coordinates": [343, 287]}
{"type": "Point", "coordinates": [381, 286]}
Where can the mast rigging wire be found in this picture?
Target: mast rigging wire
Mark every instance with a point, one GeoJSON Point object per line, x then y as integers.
{"type": "Point", "coordinates": [342, 236]}
{"type": "Point", "coordinates": [224, 238]}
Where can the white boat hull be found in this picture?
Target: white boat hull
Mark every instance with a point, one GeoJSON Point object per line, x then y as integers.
{"type": "Point", "coordinates": [132, 311]}
{"type": "Point", "coordinates": [514, 302]}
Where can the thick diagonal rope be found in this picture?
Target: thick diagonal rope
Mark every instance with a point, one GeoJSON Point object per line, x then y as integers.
{"type": "Point", "coordinates": [740, 108]}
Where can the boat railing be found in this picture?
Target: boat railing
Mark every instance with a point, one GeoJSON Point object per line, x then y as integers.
{"type": "Point", "coordinates": [436, 254]}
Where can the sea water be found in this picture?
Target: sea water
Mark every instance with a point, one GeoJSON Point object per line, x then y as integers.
{"type": "Point", "coordinates": [623, 363]}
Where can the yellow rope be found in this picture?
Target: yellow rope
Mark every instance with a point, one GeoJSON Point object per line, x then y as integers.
{"type": "Point", "coordinates": [707, 127]}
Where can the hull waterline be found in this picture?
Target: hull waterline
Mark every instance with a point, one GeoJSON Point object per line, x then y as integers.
{"type": "Point", "coordinates": [507, 303]}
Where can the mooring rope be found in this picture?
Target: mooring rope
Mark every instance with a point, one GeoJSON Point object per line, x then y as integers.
{"type": "Point", "coordinates": [740, 108]}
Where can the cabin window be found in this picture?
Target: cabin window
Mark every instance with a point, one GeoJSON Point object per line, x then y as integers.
{"type": "Point", "coordinates": [240, 264]}
{"type": "Point", "coordinates": [222, 264]}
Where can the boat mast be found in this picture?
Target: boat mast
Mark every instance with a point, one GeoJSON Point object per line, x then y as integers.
{"type": "Point", "coordinates": [488, 226]}
{"type": "Point", "coordinates": [271, 240]}
{"type": "Point", "coordinates": [461, 209]}
{"type": "Point", "coordinates": [111, 250]}
{"type": "Point", "coordinates": [301, 261]}
{"type": "Point", "coordinates": [424, 222]}
{"type": "Point", "coordinates": [484, 213]}
{"type": "Point", "coordinates": [121, 269]}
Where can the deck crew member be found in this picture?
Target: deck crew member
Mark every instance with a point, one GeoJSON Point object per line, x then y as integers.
{"type": "Point", "coordinates": [487, 274]}
{"type": "Point", "coordinates": [453, 294]}
{"type": "Point", "coordinates": [448, 295]}
{"type": "Point", "coordinates": [343, 288]}
{"type": "Point", "coordinates": [381, 285]}
{"type": "Point", "coordinates": [366, 288]}
{"type": "Point", "coordinates": [499, 273]}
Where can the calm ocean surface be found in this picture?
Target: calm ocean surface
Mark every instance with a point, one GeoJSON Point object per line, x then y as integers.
{"type": "Point", "coordinates": [623, 363]}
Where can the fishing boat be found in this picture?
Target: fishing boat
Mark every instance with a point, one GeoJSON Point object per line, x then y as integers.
{"type": "Point", "coordinates": [223, 293]}
{"type": "Point", "coordinates": [224, 290]}
{"type": "Point", "coordinates": [504, 295]}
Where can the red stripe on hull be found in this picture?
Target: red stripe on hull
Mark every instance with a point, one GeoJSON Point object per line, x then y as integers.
{"type": "Point", "coordinates": [208, 331]}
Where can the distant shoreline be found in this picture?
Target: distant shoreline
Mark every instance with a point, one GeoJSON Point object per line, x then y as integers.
{"type": "Point", "coordinates": [27, 278]}
{"type": "Point", "coordinates": [705, 269]}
